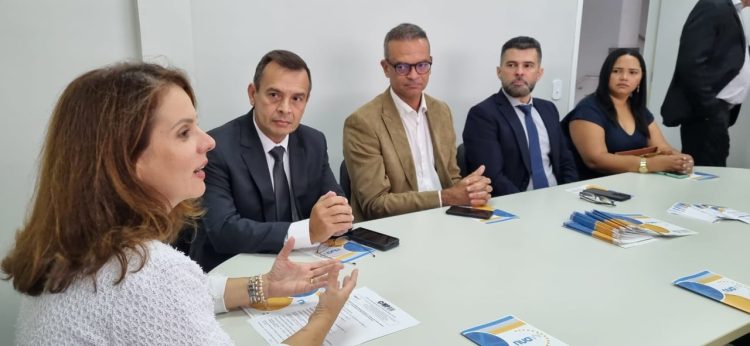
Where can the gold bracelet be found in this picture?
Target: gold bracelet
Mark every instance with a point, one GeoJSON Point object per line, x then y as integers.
{"type": "Point", "coordinates": [255, 290]}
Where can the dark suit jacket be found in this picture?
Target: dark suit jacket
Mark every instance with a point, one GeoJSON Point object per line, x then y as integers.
{"type": "Point", "coordinates": [712, 51]}
{"type": "Point", "coordinates": [494, 137]}
{"type": "Point", "coordinates": [239, 200]}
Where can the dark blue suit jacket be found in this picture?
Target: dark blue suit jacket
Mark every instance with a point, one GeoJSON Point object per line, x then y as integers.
{"type": "Point", "coordinates": [239, 200]}
{"type": "Point", "coordinates": [494, 137]}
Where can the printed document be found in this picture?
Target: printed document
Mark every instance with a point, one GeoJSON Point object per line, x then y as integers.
{"type": "Point", "coordinates": [341, 249]}
{"type": "Point", "coordinates": [708, 212]}
{"type": "Point", "coordinates": [365, 316]}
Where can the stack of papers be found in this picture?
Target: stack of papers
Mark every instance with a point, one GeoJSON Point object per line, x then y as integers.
{"type": "Point", "coordinates": [365, 316]}
{"type": "Point", "coordinates": [509, 330]}
{"type": "Point", "coordinates": [718, 288]}
{"type": "Point", "coordinates": [624, 230]}
{"type": "Point", "coordinates": [708, 212]}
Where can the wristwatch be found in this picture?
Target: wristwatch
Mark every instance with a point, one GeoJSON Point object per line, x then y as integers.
{"type": "Point", "coordinates": [642, 168]}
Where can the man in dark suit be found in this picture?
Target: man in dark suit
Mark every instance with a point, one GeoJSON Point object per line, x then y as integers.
{"type": "Point", "coordinates": [710, 81]}
{"type": "Point", "coordinates": [269, 177]}
{"type": "Point", "coordinates": [518, 138]}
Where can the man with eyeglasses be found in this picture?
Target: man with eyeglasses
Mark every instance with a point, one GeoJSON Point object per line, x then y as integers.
{"type": "Point", "coordinates": [516, 136]}
{"type": "Point", "coordinates": [400, 148]}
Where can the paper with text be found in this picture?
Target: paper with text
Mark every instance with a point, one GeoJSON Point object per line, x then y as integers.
{"type": "Point", "coordinates": [365, 316]}
{"type": "Point", "coordinates": [341, 249]}
{"type": "Point", "coordinates": [708, 212]}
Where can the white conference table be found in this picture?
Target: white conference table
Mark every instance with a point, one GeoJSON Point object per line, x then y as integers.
{"type": "Point", "coordinates": [452, 273]}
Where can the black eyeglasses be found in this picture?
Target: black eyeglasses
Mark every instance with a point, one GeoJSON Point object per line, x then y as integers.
{"type": "Point", "coordinates": [596, 199]}
{"type": "Point", "coordinates": [403, 68]}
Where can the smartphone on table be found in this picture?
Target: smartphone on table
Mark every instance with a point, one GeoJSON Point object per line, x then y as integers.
{"type": "Point", "coordinates": [372, 239]}
{"type": "Point", "coordinates": [469, 212]}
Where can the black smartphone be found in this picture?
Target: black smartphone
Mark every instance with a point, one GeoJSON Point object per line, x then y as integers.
{"type": "Point", "coordinates": [373, 239]}
{"type": "Point", "coordinates": [613, 195]}
{"type": "Point", "coordinates": [469, 212]}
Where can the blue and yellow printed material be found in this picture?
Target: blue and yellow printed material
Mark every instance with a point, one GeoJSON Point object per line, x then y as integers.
{"type": "Point", "coordinates": [296, 302]}
{"type": "Point", "coordinates": [702, 176]}
{"type": "Point", "coordinates": [624, 230]}
{"type": "Point", "coordinates": [509, 331]}
{"type": "Point", "coordinates": [343, 249]}
{"type": "Point", "coordinates": [497, 215]}
{"type": "Point", "coordinates": [719, 288]}
{"type": "Point", "coordinates": [691, 176]}
{"type": "Point", "coordinates": [708, 212]}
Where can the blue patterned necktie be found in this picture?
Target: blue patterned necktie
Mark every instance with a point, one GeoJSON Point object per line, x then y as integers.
{"type": "Point", "coordinates": [538, 178]}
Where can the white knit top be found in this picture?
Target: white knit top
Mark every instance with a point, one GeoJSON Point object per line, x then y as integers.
{"type": "Point", "coordinates": [167, 302]}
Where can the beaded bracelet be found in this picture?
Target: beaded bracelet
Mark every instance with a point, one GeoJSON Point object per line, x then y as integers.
{"type": "Point", "coordinates": [255, 290]}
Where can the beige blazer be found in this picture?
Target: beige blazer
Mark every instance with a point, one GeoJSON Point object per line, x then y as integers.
{"type": "Point", "coordinates": [379, 161]}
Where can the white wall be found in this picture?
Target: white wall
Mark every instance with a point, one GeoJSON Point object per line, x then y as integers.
{"type": "Point", "coordinates": [600, 30]}
{"type": "Point", "coordinates": [630, 24]}
{"type": "Point", "coordinates": [166, 33]}
{"type": "Point", "coordinates": [45, 44]}
{"type": "Point", "coordinates": [607, 24]}
{"type": "Point", "coordinates": [671, 17]}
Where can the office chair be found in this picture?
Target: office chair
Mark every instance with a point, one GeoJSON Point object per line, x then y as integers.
{"type": "Point", "coordinates": [461, 159]}
{"type": "Point", "coordinates": [346, 185]}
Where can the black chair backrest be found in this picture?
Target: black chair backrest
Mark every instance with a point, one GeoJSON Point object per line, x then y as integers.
{"type": "Point", "coordinates": [461, 159]}
{"type": "Point", "coordinates": [184, 240]}
{"type": "Point", "coordinates": [346, 185]}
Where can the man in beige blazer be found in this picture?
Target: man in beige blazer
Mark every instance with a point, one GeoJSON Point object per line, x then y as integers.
{"type": "Point", "coordinates": [400, 148]}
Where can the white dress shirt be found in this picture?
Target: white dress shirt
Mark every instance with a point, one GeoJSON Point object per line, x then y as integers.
{"type": "Point", "coordinates": [300, 230]}
{"type": "Point", "coordinates": [420, 142]}
{"type": "Point", "coordinates": [736, 90]}
{"type": "Point", "coordinates": [543, 137]}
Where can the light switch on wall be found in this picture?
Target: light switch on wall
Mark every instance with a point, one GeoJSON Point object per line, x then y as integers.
{"type": "Point", "coordinates": [556, 89]}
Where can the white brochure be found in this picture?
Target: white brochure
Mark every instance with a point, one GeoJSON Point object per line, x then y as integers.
{"type": "Point", "coordinates": [719, 288]}
{"type": "Point", "coordinates": [510, 330]}
{"type": "Point", "coordinates": [365, 316]}
{"type": "Point", "coordinates": [708, 212]}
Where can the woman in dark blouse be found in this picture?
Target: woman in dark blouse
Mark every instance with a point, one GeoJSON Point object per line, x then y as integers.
{"type": "Point", "coordinates": [615, 119]}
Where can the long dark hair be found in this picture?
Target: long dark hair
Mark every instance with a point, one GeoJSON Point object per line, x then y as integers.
{"type": "Point", "coordinates": [89, 204]}
{"type": "Point", "coordinates": [636, 101]}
